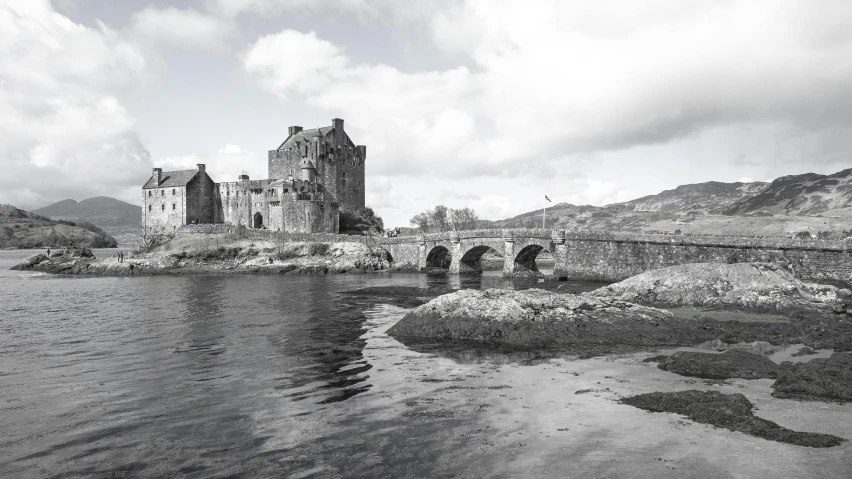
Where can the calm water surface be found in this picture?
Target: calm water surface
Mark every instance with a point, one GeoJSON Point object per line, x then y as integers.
{"type": "Point", "coordinates": [286, 376]}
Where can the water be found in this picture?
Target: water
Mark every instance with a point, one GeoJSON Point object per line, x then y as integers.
{"type": "Point", "coordinates": [287, 376]}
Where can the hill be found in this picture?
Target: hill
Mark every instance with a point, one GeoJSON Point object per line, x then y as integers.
{"type": "Point", "coordinates": [103, 211]}
{"type": "Point", "coordinates": [808, 202]}
{"type": "Point", "coordinates": [698, 199]}
{"type": "Point", "coordinates": [808, 194]}
{"type": "Point", "coordinates": [22, 229]}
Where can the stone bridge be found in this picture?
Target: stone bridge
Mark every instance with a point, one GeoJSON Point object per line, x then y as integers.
{"type": "Point", "coordinates": [613, 256]}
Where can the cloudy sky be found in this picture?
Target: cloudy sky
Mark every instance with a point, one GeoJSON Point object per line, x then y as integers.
{"type": "Point", "coordinates": [482, 103]}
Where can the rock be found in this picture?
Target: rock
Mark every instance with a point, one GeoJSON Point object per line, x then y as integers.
{"type": "Point", "coordinates": [403, 296]}
{"type": "Point", "coordinates": [734, 363]}
{"type": "Point", "coordinates": [752, 286]}
{"type": "Point", "coordinates": [536, 318]}
{"type": "Point", "coordinates": [30, 261]}
{"type": "Point", "coordinates": [805, 351]}
{"type": "Point", "coordinates": [729, 411]}
{"type": "Point", "coordinates": [822, 379]}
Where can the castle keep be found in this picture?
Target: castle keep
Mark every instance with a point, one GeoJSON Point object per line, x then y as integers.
{"type": "Point", "coordinates": [312, 174]}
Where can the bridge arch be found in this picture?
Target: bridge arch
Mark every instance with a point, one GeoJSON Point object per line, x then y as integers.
{"type": "Point", "coordinates": [470, 260]}
{"type": "Point", "coordinates": [439, 257]}
{"type": "Point", "coordinates": [526, 251]}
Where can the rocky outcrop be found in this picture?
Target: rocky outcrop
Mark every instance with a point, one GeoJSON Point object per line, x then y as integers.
{"type": "Point", "coordinates": [69, 260]}
{"type": "Point", "coordinates": [730, 411]}
{"type": "Point", "coordinates": [730, 364]}
{"type": "Point", "coordinates": [536, 318]}
{"type": "Point", "coordinates": [751, 286]}
{"type": "Point", "coordinates": [821, 379]}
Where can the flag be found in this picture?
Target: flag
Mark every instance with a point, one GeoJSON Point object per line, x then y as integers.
{"type": "Point", "coordinates": [548, 199]}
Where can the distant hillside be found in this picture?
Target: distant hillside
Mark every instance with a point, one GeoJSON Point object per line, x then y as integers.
{"type": "Point", "coordinates": [22, 229]}
{"type": "Point", "coordinates": [103, 211]}
{"type": "Point", "coordinates": [809, 202]}
{"type": "Point", "coordinates": [808, 194]}
{"type": "Point", "coordinates": [698, 199]}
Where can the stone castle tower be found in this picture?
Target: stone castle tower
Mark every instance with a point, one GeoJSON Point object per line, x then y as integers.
{"type": "Point", "coordinates": [312, 174]}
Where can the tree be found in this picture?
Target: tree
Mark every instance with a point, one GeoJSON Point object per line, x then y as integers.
{"type": "Point", "coordinates": [440, 218]}
{"type": "Point", "coordinates": [464, 218]}
{"type": "Point", "coordinates": [803, 235]}
{"type": "Point", "coordinates": [362, 220]}
{"type": "Point", "coordinates": [422, 221]}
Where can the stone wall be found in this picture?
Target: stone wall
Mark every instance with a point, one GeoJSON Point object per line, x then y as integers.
{"type": "Point", "coordinates": [597, 255]}
{"type": "Point", "coordinates": [310, 216]}
{"type": "Point", "coordinates": [616, 257]}
{"type": "Point", "coordinates": [275, 235]}
{"type": "Point", "coordinates": [163, 209]}
{"type": "Point", "coordinates": [200, 192]}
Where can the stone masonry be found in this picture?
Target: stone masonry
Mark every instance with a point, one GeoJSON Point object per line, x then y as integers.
{"type": "Point", "coordinates": [312, 174]}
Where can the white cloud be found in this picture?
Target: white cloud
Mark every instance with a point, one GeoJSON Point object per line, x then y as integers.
{"type": "Point", "coordinates": [63, 132]}
{"type": "Point", "coordinates": [380, 11]}
{"type": "Point", "coordinates": [181, 28]}
{"type": "Point", "coordinates": [223, 165]}
{"type": "Point", "coordinates": [745, 179]}
{"type": "Point", "coordinates": [560, 79]}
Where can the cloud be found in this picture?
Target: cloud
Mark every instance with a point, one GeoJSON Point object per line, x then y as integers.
{"type": "Point", "coordinates": [63, 132]}
{"type": "Point", "coordinates": [565, 79]}
{"type": "Point", "coordinates": [223, 165]}
{"type": "Point", "coordinates": [375, 11]}
{"type": "Point", "coordinates": [181, 28]}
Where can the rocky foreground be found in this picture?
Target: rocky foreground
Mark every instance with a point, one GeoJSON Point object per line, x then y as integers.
{"type": "Point", "coordinates": [536, 318]}
{"type": "Point", "coordinates": [745, 286]}
{"type": "Point", "coordinates": [229, 258]}
{"type": "Point", "coordinates": [729, 411]}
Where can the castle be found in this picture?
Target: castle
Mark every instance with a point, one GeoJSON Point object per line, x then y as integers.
{"type": "Point", "coordinates": [312, 174]}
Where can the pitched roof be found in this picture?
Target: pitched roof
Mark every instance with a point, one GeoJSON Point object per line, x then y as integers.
{"type": "Point", "coordinates": [170, 179]}
{"type": "Point", "coordinates": [306, 134]}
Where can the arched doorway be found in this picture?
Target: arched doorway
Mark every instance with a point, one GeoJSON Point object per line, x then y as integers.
{"type": "Point", "coordinates": [258, 221]}
{"type": "Point", "coordinates": [439, 258]}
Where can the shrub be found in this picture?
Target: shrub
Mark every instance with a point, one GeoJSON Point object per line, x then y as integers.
{"type": "Point", "coordinates": [318, 249]}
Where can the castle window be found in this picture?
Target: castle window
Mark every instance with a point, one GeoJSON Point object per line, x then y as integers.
{"type": "Point", "coordinates": [162, 192]}
{"type": "Point", "coordinates": [285, 190]}
{"type": "Point", "coordinates": [344, 181]}
{"type": "Point", "coordinates": [173, 191]}
{"type": "Point", "coordinates": [149, 206]}
{"type": "Point", "coordinates": [149, 193]}
{"type": "Point", "coordinates": [163, 207]}
{"type": "Point", "coordinates": [174, 206]}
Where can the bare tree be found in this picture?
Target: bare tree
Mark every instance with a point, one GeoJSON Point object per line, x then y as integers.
{"type": "Point", "coordinates": [422, 221]}
{"type": "Point", "coordinates": [464, 218]}
{"type": "Point", "coordinates": [440, 217]}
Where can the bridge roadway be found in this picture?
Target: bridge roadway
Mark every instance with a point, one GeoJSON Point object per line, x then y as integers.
{"type": "Point", "coordinates": [613, 256]}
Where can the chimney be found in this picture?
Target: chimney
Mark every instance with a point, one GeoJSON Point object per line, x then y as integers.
{"type": "Point", "coordinates": [201, 167]}
{"type": "Point", "coordinates": [243, 176]}
{"type": "Point", "coordinates": [293, 130]}
{"type": "Point", "coordinates": [157, 174]}
{"type": "Point", "coordinates": [362, 151]}
{"type": "Point", "coordinates": [337, 123]}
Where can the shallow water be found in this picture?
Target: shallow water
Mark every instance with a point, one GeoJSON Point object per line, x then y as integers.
{"type": "Point", "coordinates": [277, 376]}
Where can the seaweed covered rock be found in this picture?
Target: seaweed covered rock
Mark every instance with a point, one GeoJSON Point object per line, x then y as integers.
{"type": "Point", "coordinates": [733, 363]}
{"type": "Point", "coordinates": [68, 260]}
{"type": "Point", "coordinates": [538, 318]}
{"type": "Point", "coordinates": [753, 286]}
{"type": "Point", "coordinates": [730, 411]}
{"type": "Point", "coordinates": [822, 379]}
